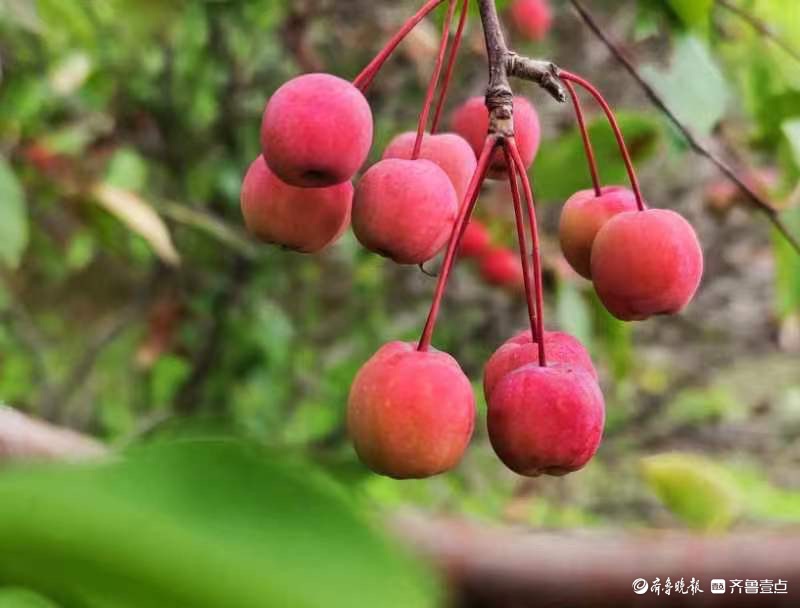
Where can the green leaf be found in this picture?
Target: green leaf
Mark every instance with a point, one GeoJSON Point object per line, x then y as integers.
{"type": "Point", "coordinates": [791, 129]}
{"type": "Point", "coordinates": [13, 217]}
{"type": "Point", "coordinates": [197, 523]}
{"type": "Point", "coordinates": [693, 87]}
{"type": "Point", "coordinates": [573, 313]}
{"type": "Point", "coordinates": [560, 168]}
{"type": "Point", "coordinates": [694, 14]}
{"type": "Point", "coordinates": [702, 494]}
{"type": "Point", "coordinates": [787, 262]}
{"type": "Point", "coordinates": [22, 598]}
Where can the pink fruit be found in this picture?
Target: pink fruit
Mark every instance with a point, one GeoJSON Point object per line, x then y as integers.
{"type": "Point", "coordinates": [471, 121]}
{"type": "Point", "coordinates": [646, 263]}
{"type": "Point", "coordinates": [476, 240]}
{"type": "Point", "coordinates": [560, 349]}
{"type": "Point", "coordinates": [532, 17]}
{"type": "Point", "coordinates": [502, 267]}
{"type": "Point", "coordinates": [410, 413]}
{"type": "Point", "coordinates": [316, 131]}
{"type": "Point", "coordinates": [304, 219]}
{"type": "Point", "coordinates": [546, 420]}
{"type": "Point", "coordinates": [404, 209]}
{"type": "Point", "coordinates": [582, 216]}
{"type": "Point", "coordinates": [448, 150]}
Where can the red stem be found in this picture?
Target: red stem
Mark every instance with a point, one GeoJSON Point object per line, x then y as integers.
{"type": "Point", "coordinates": [511, 146]}
{"type": "Point", "coordinates": [460, 225]}
{"type": "Point", "coordinates": [437, 71]}
{"type": "Point", "coordinates": [587, 142]}
{"type": "Point", "coordinates": [451, 64]}
{"type": "Point", "coordinates": [567, 76]}
{"type": "Point", "coordinates": [364, 79]}
{"type": "Point", "coordinates": [523, 246]}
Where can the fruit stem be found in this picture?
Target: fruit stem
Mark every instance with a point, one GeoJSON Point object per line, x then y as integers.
{"type": "Point", "coordinates": [523, 246]}
{"type": "Point", "coordinates": [511, 146]}
{"type": "Point", "coordinates": [365, 78]}
{"type": "Point", "coordinates": [434, 81]}
{"type": "Point", "coordinates": [451, 64]}
{"type": "Point", "coordinates": [587, 142]}
{"type": "Point", "coordinates": [612, 120]}
{"type": "Point", "coordinates": [459, 226]}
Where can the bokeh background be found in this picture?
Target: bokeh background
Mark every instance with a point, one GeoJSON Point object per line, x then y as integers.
{"type": "Point", "coordinates": [135, 307]}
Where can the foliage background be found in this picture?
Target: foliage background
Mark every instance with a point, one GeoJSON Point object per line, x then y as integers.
{"type": "Point", "coordinates": [134, 308]}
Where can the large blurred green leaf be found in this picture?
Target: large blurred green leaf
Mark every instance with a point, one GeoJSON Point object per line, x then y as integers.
{"type": "Point", "coordinates": [22, 598]}
{"type": "Point", "coordinates": [693, 86]}
{"type": "Point", "coordinates": [791, 129]}
{"type": "Point", "coordinates": [560, 168]}
{"type": "Point", "coordinates": [196, 524]}
{"type": "Point", "coordinates": [13, 217]}
{"type": "Point", "coordinates": [700, 493]}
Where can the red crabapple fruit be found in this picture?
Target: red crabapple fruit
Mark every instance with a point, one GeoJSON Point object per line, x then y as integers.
{"type": "Point", "coordinates": [582, 216]}
{"type": "Point", "coordinates": [546, 420]}
{"type": "Point", "coordinates": [404, 209]}
{"type": "Point", "coordinates": [410, 413]}
{"type": "Point", "coordinates": [646, 263]}
{"type": "Point", "coordinates": [471, 121]}
{"type": "Point", "coordinates": [502, 267]}
{"type": "Point", "coordinates": [448, 150]}
{"type": "Point", "coordinates": [561, 349]}
{"type": "Point", "coordinates": [316, 131]}
{"type": "Point", "coordinates": [532, 17]}
{"type": "Point", "coordinates": [304, 219]}
{"type": "Point", "coordinates": [476, 240]}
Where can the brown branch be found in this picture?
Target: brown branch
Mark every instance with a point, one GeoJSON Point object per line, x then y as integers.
{"type": "Point", "coordinates": [504, 63]}
{"type": "Point", "coordinates": [495, 567]}
{"type": "Point", "coordinates": [761, 27]}
{"type": "Point", "coordinates": [25, 438]}
{"type": "Point", "coordinates": [755, 200]}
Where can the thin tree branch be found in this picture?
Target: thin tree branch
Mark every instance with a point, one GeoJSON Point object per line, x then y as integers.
{"type": "Point", "coordinates": [763, 28]}
{"type": "Point", "coordinates": [752, 197]}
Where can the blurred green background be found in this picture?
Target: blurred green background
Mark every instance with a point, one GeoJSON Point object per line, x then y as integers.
{"type": "Point", "coordinates": [135, 308]}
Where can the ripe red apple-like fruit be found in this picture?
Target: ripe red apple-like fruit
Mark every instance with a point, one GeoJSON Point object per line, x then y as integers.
{"type": "Point", "coordinates": [410, 414]}
{"type": "Point", "coordinates": [303, 219]}
{"type": "Point", "coordinates": [316, 131]}
{"type": "Point", "coordinates": [582, 216]}
{"type": "Point", "coordinates": [448, 150]}
{"type": "Point", "coordinates": [532, 17]}
{"type": "Point", "coordinates": [471, 121]}
{"type": "Point", "coordinates": [502, 267]}
{"type": "Point", "coordinates": [560, 349]}
{"type": "Point", "coordinates": [646, 263]}
{"type": "Point", "coordinates": [404, 209]}
{"type": "Point", "coordinates": [546, 420]}
{"type": "Point", "coordinates": [476, 240]}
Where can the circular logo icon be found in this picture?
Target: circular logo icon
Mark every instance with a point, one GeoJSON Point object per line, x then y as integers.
{"type": "Point", "coordinates": [640, 586]}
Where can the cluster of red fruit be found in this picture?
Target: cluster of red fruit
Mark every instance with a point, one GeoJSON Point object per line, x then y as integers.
{"type": "Point", "coordinates": [411, 409]}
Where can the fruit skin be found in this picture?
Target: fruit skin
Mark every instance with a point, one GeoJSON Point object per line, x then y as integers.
{"type": "Point", "coordinates": [316, 131]}
{"type": "Point", "coordinates": [471, 121]}
{"type": "Point", "coordinates": [582, 216]}
{"type": "Point", "coordinates": [560, 349]}
{"type": "Point", "coordinates": [303, 219]}
{"type": "Point", "coordinates": [410, 414]}
{"type": "Point", "coordinates": [450, 151]}
{"type": "Point", "coordinates": [532, 18]}
{"type": "Point", "coordinates": [404, 209]}
{"type": "Point", "coordinates": [476, 240]}
{"type": "Point", "coordinates": [501, 267]}
{"type": "Point", "coordinates": [646, 263]}
{"type": "Point", "coordinates": [546, 420]}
